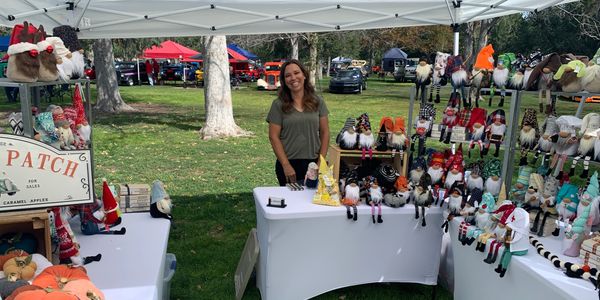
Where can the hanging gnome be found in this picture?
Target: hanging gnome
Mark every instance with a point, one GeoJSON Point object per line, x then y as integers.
{"type": "Point", "coordinates": [450, 118]}
{"type": "Point", "coordinates": [160, 201]}
{"type": "Point", "coordinates": [351, 198]}
{"type": "Point", "coordinates": [423, 73]}
{"type": "Point", "coordinates": [516, 241]}
{"type": "Point", "coordinates": [548, 203]}
{"type": "Point", "coordinates": [532, 199]}
{"type": "Point", "coordinates": [518, 67]}
{"type": "Point", "coordinates": [484, 64]}
{"type": "Point", "coordinates": [491, 173]}
{"type": "Point", "coordinates": [456, 71]}
{"type": "Point", "coordinates": [499, 217]}
{"type": "Point", "coordinates": [374, 199]}
{"type": "Point", "coordinates": [365, 136]}
{"type": "Point", "coordinates": [528, 135]}
{"type": "Point", "coordinates": [67, 244]}
{"type": "Point", "coordinates": [417, 170]}
{"type": "Point", "coordinates": [495, 130]}
{"type": "Point", "coordinates": [567, 143]}
{"type": "Point", "coordinates": [567, 200]}
{"type": "Point", "coordinates": [542, 76]}
{"type": "Point", "coordinates": [501, 75]}
{"type": "Point", "coordinates": [399, 142]}
{"type": "Point", "coordinates": [591, 80]}
{"type": "Point", "coordinates": [547, 139]}
{"type": "Point", "coordinates": [422, 197]}
{"type": "Point", "coordinates": [476, 127]}
{"type": "Point", "coordinates": [587, 215]}
{"type": "Point", "coordinates": [589, 137]}
{"type": "Point", "coordinates": [469, 213]}
{"type": "Point", "coordinates": [438, 77]}
{"type": "Point", "coordinates": [569, 76]}
{"type": "Point", "coordinates": [92, 216]}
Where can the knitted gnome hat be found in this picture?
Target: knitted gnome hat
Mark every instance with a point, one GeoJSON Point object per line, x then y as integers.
{"type": "Point", "coordinates": [524, 174]}
{"type": "Point", "coordinates": [387, 124]}
{"type": "Point", "coordinates": [498, 114]}
{"type": "Point", "coordinates": [478, 115]}
{"type": "Point", "coordinates": [491, 168]}
{"type": "Point", "coordinates": [401, 183]}
{"type": "Point", "coordinates": [590, 123]}
{"type": "Point", "coordinates": [568, 124]}
{"type": "Point", "coordinates": [567, 191]}
{"type": "Point", "coordinates": [485, 58]}
{"type": "Point", "coordinates": [488, 203]}
{"type": "Point", "coordinates": [399, 125]}
{"type": "Point", "coordinates": [475, 169]}
{"type": "Point", "coordinates": [69, 35]}
{"type": "Point", "coordinates": [458, 187]}
{"type": "Point", "coordinates": [419, 162]}
{"type": "Point", "coordinates": [501, 214]}
{"type": "Point", "coordinates": [530, 119]}
{"type": "Point", "coordinates": [550, 127]}
{"type": "Point", "coordinates": [58, 46]}
{"type": "Point", "coordinates": [437, 158]}
{"type": "Point", "coordinates": [363, 123]}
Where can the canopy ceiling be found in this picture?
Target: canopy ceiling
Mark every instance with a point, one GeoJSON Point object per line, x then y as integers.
{"type": "Point", "coordinates": [165, 18]}
{"type": "Point", "coordinates": [169, 49]}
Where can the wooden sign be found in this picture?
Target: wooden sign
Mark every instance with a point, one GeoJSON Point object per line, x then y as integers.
{"type": "Point", "coordinates": [37, 175]}
{"type": "Point", "coordinates": [246, 264]}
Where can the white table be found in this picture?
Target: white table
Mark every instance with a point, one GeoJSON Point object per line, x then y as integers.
{"type": "Point", "coordinates": [132, 265]}
{"type": "Point", "coordinates": [528, 277]}
{"type": "Point", "coordinates": [308, 249]}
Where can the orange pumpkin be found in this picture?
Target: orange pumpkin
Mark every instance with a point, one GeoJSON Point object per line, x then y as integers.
{"type": "Point", "coordinates": [45, 294]}
{"type": "Point", "coordinates": [84, 289]}
{"type": "Point", "coordinates": [57, 276]}
{"type": "Point", "coordinates": [22, 289]}
{"type": "Point", "coordinates": [21, 266]}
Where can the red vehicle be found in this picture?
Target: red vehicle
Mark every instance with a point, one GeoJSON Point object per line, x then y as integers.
{"type": "Point", "coordinates": [245, 70]}
{"type": "Point", "coordinates": [271, 76]}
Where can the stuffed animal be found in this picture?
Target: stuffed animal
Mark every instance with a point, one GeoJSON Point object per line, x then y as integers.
{"type": "Point", "coordinates": [48, 70]}
{"type": "Point", "coordinates": [476, 127]}
{"type": "Point", "coordinates": [474, 179]}
{"type": "Point", "coordinates": [418, 166]}
{"type": "Point", "coordinates": [351, 198]}
{"type": "Point", "coordinates": [566, 143]}
{"type": "Point", "coordinates": [347, 138]}
{"type": "Point", "coordinates": [64, 63]}
{"type": "Point", "coordinates": [483, 223]}
{"type": "Point", "coordinates": [398, 141]}
{"type": "Point", "coordinates": [547, 139]}
{"type": "Point", "coordinates": [374, 199]}
{"type": "Point", "coordinates": [499, 218]}
{"type": "Point", "coordinates": [541, 77]}
{"type": "Point", "coordinates": [456, 71]}
{"type": "Point", "coordinates": [422, 197]}
{"type": "Point", "coordinates": [23, 63]}
{"type": "Point", "coordinates": [528, 135]}
{"type": "Point", "coordinates": [517, 242]}
{"type": "Point", "coordinates": [450, 118]}
{"type": "Point", "coordinates": [366, 141]}
{"type": "Point", "coordinates": [589, 137]}
{"type": "Point", "coordinates": [160, 201]}
{"type": "Point", "coordinates": [517, 193]}
{"type": "Point", "coordinates": [569, 76]}
{"type": "Point", "coordinates": [423, 73]}
{"type": "Point", "coordinates": [402, 195]}
{"type": "Point", "coordinates": [480, 76]}
{"type": "Point", "coordinates": [438, 76]}
{"type": "Point", "coordinates": [491, 173]}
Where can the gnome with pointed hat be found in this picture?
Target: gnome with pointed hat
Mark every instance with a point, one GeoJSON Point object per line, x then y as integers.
{"type": "Point", "coordinates": [587, 215]}
{"type": "Point", "coordinates": [528, 136]}
{"type": "Point", "coordinates": [589, 138]}
{"type": "Point", "coordinates": [495, 130]}
{"type": "Point", "coordinates": [567, 200]}
{"type": "Point", "coordinates": [398, 140]}
{"type": "Point", "coordinates": [517, 242]}
{"type": "Point", "coordinates": [498, 217]}
{"type": "Point", "coordinates": [110, 206]}
{"type": "Point", "coordinates": [480, 76]}
{"type": "Point", "coordinates": [450, 118]}
{"type": "Point", "coordinates": [423, 74]}
{"type": "Point", "coordinates": [160, 201]}
{"type": "Point", "coordinates": [547, 205]}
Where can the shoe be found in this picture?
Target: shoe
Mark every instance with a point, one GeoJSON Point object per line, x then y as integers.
{"type": "Point", "coordinates": [556, 231]}
{"type": "Point", "coordinates": [560, 175]}
{"type": "Point", "coordinates": [448, 136]}
{"type": "Point", "coordinates": [540, 232]}
{"type": "Point", "coordinates": [548, 109]}
{"type": "Point", "coordinates": [470, 241]}
{"type": "Point", "coordinates": [442, 134]}
{"type": "Point", "coordinates": [379, 219]}
{"type": "Point", "coordinates": [490, 101]}
{"type": "Point", "coordinates": [488, 259]}
{"type": "Point", "coordinates": [498, 269]}
{"type": "Point", "coordinates": [348, 214]}
{"type": "Point", "coordinates": [373, 216]}
{"type": "Point", "coordinates": [523, 161]}
{"type": "Point", "coordinates": [497, 152]}
{"type": "Point", "coordinates": [430, 98]}
{"type": "Point", "coordinates": [437, 98]}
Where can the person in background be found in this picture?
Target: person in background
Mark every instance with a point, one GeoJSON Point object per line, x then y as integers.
{"type": "Point", "coordinates": [155, 69]}
{"type": "Point", "coordinates": [298, 124]}
{"type": "Point", "coordinates": [149, 73]}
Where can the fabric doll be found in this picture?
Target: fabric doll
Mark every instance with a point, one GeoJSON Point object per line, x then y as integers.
{"type": "Point", "coordinates": [375, 197]}
{"type": "Point", "coordinates": [495, 130]}
{"type": "Point", "coordinates": [569, 76]}
{"type": "Point", "coordinates": [438, 76]}
{"type": "Point", "coordinates": [456, 198]}
{"type": "Point", "coordinates": [474, 179]}
{"type": "Point", "coordinates": [311, 179]}
{"type": "Point", "coordinates": [351, 198]}
{"type": "Point", "coordinates": [417, 170]}
{"type": "Point", "coordinates": [483, 222]}
{"type": "Point", "coordinates": [422, 126]}
{"type": "Point", "coordinates": [48, 70]}
{"type": "Point", "coordinates": [517, 193]}
{"type": "Point", "coordinates": [385, 128]}
{"type": "Point", "coordinates": [423, 73]}
{"type": "Point", "coordinates": [67, 243]}
{"type": "Point", "coordinates": [110, 206]}
{"type": "Point", "coordinates": [456, 71]}
{"type": "Point", "coordinates": [450, 118]}
{"type": "Point", "coordinates": [566, 143]}
{"type": "Point", "coordinates": [64, 64]}
{"type": "Point", "coordinates": [548, 203]}
{"type": "Point", "coordinates": [468, 214]}
{"type": "Point", "coordinates": [541, 77]}
{"type": "Point", "coordinates": [517, 225]}
{"type": "Point", "coordinates": [480, 76]}
{"type": "Point", "coordinates": [499, 218]}
{"type": "Point", "coordinates": [591, 80]}
{"type": "Point", "coordinates": [566, 204]}
{"type": "Point", "coordinates": [455, 173]}
{"type": "Point", "coordinates": [365, 136]}
{"type": "Point", "coordinates": [398, 141]}
{"type": "Point", "coordinates": [589, 136]}
{"type": "Point", "coordinates": [528, 136]}
{"type": "Point", "coordinates": [501, 75]}
{"type": "Point", "coordinates": [23, 62]}
{"type": "Point", "coordinates": [476, 127]}
{"type": "Point", "coordinates": [402, 195]}
{"type": "Point", "coordinates": [71, 116]}
{"type": "Point", "coordinates": [587, 215]}
{"type": "Point", "coordinates": [491, 173]}
{"type": "Point", "coordinates": [532, 198]}
{"type": "Point", "coordinates": [422, 197]}
{"type": "Point", "coordinates": [92, 216]}
{"type": "Point", "coordinates": [436, 170]}
{"type": "Point", "coordinates": [84, 130]}
{"type": "Point", "coordinates": [347, 139]}
{"type": "Point", "coordinates": [518, 66]}
{"type": "Point", "coordinates": [547, 139]}
{"type": "Point", "coordinates": [386, 177]}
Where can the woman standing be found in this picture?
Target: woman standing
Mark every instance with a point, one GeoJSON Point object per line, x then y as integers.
{"type": "Point", "coordinates": [298, 124]}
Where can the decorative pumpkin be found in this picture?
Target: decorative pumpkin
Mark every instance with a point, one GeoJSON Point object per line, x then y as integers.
{"type": "Point", "coordinates": [57, 276]}
{"type": "Point", "coordinates": [22, 266]}
{"type": "Point", "coordinates": [10, 254]}
{"type": "Point", "coordinates": [8, 286]}
{"type": "Point", "coordinates": [84, 289]}
{"type": "Point", "coordinates": [45, 294]}
{"type": "Point", "coordinates": [21, 289]}
{"type": "Point", "coordinates": [20, 240]}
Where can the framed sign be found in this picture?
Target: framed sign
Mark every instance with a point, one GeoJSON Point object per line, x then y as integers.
{"type": "Point", "coordinates": [36, 175]}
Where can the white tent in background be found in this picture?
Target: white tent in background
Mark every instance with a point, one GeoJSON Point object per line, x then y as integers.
{"type": "Point", "coordinates": [167, 18]}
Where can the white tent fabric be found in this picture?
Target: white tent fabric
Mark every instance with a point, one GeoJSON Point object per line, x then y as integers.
{"type": "Point", "coordinates": [162, 18]}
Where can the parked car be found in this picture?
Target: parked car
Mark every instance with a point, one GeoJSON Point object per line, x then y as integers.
{"type": "Point", "coordinates": [172, 72]}
{"type": "Point", "coordinates": [348, 81]}
{"type": "Point", "coordinates": [410, 71]}
{"type": "Point", "coordinates": [399, 72]}
{"type": "Point", "coordinates": [127, 72]}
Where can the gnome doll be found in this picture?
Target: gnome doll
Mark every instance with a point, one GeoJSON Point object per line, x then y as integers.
{"type": "Point", "coordinates": [474, 179]}
{"type": "Point", "coordinates": [569, 76]}
{"type": "Point", "coordinates": [483, 222]}
{"type": "Point", "coordinates": [532, 199]}
{"type": "Point", "coordinates": [110, 206]}
{"type": "Point", "coordinates": [351, 198]}
{"type": "Point", "coordinates": [366, 141]}
{"type": "Point", "coordinates": [84, 130]}
{"type": "Point", "coordinates": [517, 241]}
{"type": "Point", "coordinates": [421, 128]}
{"type": "Point", "coordinates": [470, 213]}
{"type": "Point", "coordinates": [476, 127]}
{"type": "Point", "coordinates": [436, 172]}
{"type": "Point", "coordinates": [417, 170]}
{"type": "Point", "coordinates": [48, 61]}
{"type": "Point", "coordinates": [92, 216]}
{"type": "Point", "coordinates": [398, 141]}
{"type": "Point", "coordinates": [456, 198]}
{"type": "Point", "coordinates": [541, 77]}
{"type": "Point", "coordinates": [374, 199]}
{"type": "Point", "coordinates": [589, 137]}
{"type": "Point", "coordinates": [495, 130]}
{"type": "Point", "coordinates": [517, 193]}
{"type": "Point", "coordinates": [499, 218]}
{"type": "Point", "coordinates": [591, 80]}
{"type": "Point", "coordinates": [587, 215]}
{"type": "Point", "coordinates": [547, 139]}
{"type": "Point", "coordinates": [386, 126]}
{"type": "Point", "coordinates": [547, 205]}
{"type": "Point", "coordinates": [68, 35]}
{"type": "Point", "coordinates": [456, 71]}
{"type": "Point", "coordinates": [438, 78]}
{"type": "Point", "coordinates": [23, 62]}
{"type": "Point", "coordinates": [450, 118]}
{"type": "Point", "coordinates": [402, 195]}
{"type": "Point", "coordinates": [347, 139]}
{"type": "Point", "coordinates": [566, 144]}
{"type": "Point", "coordinates": [518, 66]}
{"type": "Point", "coordinates": [501, 75]}
{"type": "Point", "coordinates": [567, 200]}
{"type": "Point", "coordinates": [528, 136]}
{"type": "Point", "coordinates": [422, 196]}
{"type": "Point", "coordinates": [160, 201]}
{"type": "Point", "coordinates": [64, 64]}
{"type": "Point", "coordinates": [67, 244]}
{"type": "Point", "coordinates": [455, 173]}
{"type": "Point", "coordinates": [423, 73]}
{"type": "Point", "coordinates": [491, 173]}
{"type": "Point", "coordinates": [484, 64]}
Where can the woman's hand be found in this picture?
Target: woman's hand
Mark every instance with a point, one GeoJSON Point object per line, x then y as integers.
{"type": "Point", "coordinates": [290, 174]}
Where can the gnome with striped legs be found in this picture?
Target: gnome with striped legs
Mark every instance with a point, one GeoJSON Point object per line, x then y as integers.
{"type": "Point", "coordinates": [438, 78]}
{"type": "Point", "coordinates": [547, 205]}
{"type": "Point", "coordinates": [589, 131]}
{"type": "Point", "coordinates": [547, 139]}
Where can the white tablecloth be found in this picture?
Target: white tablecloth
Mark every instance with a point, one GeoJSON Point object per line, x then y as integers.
{"type": "Point", "coordinates": [307, 249]}
{"type": "Point", "coordinates": [132, 265]}
{"type": "Point", "coordinates": [528, 277]}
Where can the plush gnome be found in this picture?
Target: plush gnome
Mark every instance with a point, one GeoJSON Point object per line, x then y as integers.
{"type": "Point", "coordinates": [567, 200]}
{"type": "Point", "coordinates": [438, 78]}
{"type": "Point", "coordinates": [351, 198]}
{"type": "Point", "coordinates": [587, 215]}
{"type": "Point", "coordinates": [64, 64]}
{"type": "Point", "coordinates": [547, 139]}
{"type": "Point", "coordinates": [44, 125]}
{"type": "Point", "coordinates": [589, 138]}
{"type": "Point", "coordinates": [499, 217]}
{"type": "Point", "coordinates": [495, 130]}
{"type": "Point", "coordinates": [532, 199]}
{"type": "Point", "coordinates": [591, 80]}
{"type": "Point", "coordinates": [402, 195]}
{"type": "Point", "coordinates": [474, 180]}
{"type": "Point", "coordinates": [68, 35]}
{"type": "Point", "coordinates": [436, 168]}
{"type": "Point", "coordinates": [517, 225]}
{"type": "Point", "coordinates": [455, 173]}
{"type": "Point", "coordinates": [23, 62]}
{"type": "Point", "coordinates": [459, 76]}
{"type": "Point", "coordinates": [347, 139]}
{"type": "Point", "coordinates": [110, 206]}
{"type": "Point", "coordinates": [547, 205]}
{"type": "Point", "coordinates": [386, 126]}
{"type": "Point", "coordinates": [517, 193]}
{"type": "Point", "coordinates": [92, 216]}
{"type": "Point", "coordinates": [528, 136]}
{"type": "Point", "coordinates": [422, 197]}
{"type": "Point", "coordinates": [84, 130]}
{"type": "Point", "coordinates": [518, 66]}
{"type": "Point", "coordinates": [483, 222]}
{"type": "Point", "coordinates": [48, 70]}
{"type": "Point", "coordinates": [567, 143]}
{"type": "Point", "coordinates": [450, 118]}
{"type": "Point", "coordinates": [423, 126]}
{"type": "Point", "coordinates": [374, 199]}
{"type": "Point", "coordinates": [469, 213]}
{"type": "Point", "coordinates": [160, 201]}
{"type": "Point", "coordinates": [502, 74]}
{"type": "Point", "coordinates": [456, 198]}
{"type": "Point", "coordinates": [569, 76]}
{"type": "Point", "coordinates": [366, 141]}
{"type": "Point", "coordinates": [417, 170]}
{"type": "Point", "coordinates": [541, 77]}
{"type": "Point", "coordinates": [484, 64]}
{"type": "Point", "coordinates": [491, 173]}
{"type": "Point", "coordinates": [423, 73]}
{"type": "Point", "coordinates": [476, 127]}
{"type": "Point", "coordinates": [398, 141]}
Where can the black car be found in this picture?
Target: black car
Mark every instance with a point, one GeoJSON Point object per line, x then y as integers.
{"type": "Point", "coordinates": [127, 73]}
{"type": "Point", "coordinates": [172, 72]}
{"type": "Point", "coordinates": [348, 81]}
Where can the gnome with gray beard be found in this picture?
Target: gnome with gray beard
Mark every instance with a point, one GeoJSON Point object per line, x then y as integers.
{"type": "Point", "coordinates": [456, 197]}
{"type": "Point", "coordinates": [589, 138]}
{"type": "Point", "coordinates": [474, 179]}
{"type": "Point", "coordinates": [500, 77]}
{"type": "Point", "coordinates": [423, 73]}
{"type": "Point", "coordinates": [547, 139]}
{"type": "Point", "coordinates": [567, 143]}
{"type": "Point", "coordinates": [422, 196]}
{"type": "Point", "coordinates": [347, 139]}
{"type": "Point", "coordinates": [528, 136]}
{"type": "Point", "coordinates": [491, 173]}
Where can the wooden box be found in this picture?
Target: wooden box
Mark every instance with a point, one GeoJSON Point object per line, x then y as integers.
{"type": "Point", "coordinates": [35, 222]}
{"type": "Point", "coordinates": [134, 203]}
{"type": "Point", "coordinates": [134, 189]}
{"type": "Point", "coordinates": [353, 157]}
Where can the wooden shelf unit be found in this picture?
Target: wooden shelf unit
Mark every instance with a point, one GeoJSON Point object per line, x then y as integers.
{"type": "Point", "coordinates": [35, 222]}
{"type": "Point", "coordinates": [353, 157]}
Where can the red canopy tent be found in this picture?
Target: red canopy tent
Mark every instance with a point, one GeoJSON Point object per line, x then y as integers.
{"type": "Point", "coordinates": [169, 49]}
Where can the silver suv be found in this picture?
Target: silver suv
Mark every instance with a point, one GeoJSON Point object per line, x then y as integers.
{"type": "Point", "coordinates": [410, 71]}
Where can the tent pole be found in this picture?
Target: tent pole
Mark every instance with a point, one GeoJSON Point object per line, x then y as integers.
{"type": "Point", "coordinates": [510, 141]}
{"type": "Point", "coordinates": [137, 62]}
{"type": "Point", "coordinates": [456, 38]}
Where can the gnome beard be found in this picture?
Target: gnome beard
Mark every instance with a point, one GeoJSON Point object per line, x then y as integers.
{"type": "Point", "coordinates": [451, 178]}
{"type": "Point", "coordinates": [493, 186]}
{"type": "Point", "coordinates": [545, 144]}
{"type": "Point", "coordinates": [477, 134]}
{"type": "Point", "coordinates": [348, 141]}
{"type": "Point", "coordinates": [500, 77]}
{"type": "Point", "coordinates": [366, 141]}
{"type": "Point", "coordinates": [517, 80]}
{"type": "Point", "coordinates": [415, 176]}
{"type": "Point", "coordinates": [475, 182]}
{"type": "Point", "coordinates": [398, 140]}
{"type": "Point", "coordinates": [454, 204]}
{"type": "Point", "coordinates": [586, 146]}
{"type": "Point", "coordinates": [436, 174]}
{"type": "Point", "coordinates": [482, 219]}
{"type": "Point", "coordinates": [527, 138]}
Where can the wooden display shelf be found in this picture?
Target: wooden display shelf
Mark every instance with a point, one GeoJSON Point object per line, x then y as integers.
{"type": "Point", "coordinates": [35, 222]}
{"type": "Point", "coordinates": [336, 155]}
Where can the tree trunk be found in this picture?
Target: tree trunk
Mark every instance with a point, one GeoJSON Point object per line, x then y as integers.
{"type": "Point", "coordinates": [217, 92]}
{"type": "Point", "coordinates": [294, 43]}
{"type": "Point", "coordinates": [468, 45]}
{"type": "Point", "coordinates": [313, 41]}
{"type": "Point", "coordinates": [108, 98]}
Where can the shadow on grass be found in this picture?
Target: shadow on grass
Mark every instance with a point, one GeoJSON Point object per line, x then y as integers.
{"type": "Point", "coordinates": [187, 122]}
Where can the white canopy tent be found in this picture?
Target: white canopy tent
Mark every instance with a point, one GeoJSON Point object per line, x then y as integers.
{"type": "Point", "coordinates": [162, 18]}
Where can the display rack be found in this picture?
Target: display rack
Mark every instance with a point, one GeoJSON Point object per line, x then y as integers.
{"type": "Point", "coordinates": [336, 155]}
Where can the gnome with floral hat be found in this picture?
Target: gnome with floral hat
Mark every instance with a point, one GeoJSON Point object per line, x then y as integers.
{"type": "Point", "coordinates": [567, 200]}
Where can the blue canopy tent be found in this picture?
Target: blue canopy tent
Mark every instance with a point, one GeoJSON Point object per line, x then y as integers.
{"type": "Point", "coordinates": [243, 52]}
{"type": "Point", "coordinates": [391, 57]}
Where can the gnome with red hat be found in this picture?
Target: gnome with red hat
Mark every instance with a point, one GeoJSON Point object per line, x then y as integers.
{"type": "Point", "coordinates": [110, 206]}
{"type": "Point", "coordinates": [455, 170]}
{"type": "Point", "coordinates": [476, 127]}
{"type": "Point", "coordinates": [495, 130]}
{"type": "Point", "coordinates": [499, 217]}
{"type": "Point", "coordinates": [517, 242]}
{"type": "Point", "coordinates": [450, 118]}
{"type": "Point", "coordinates": [436, 171]}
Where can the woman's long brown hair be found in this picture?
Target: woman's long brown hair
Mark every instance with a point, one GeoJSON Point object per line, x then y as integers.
{"type": "Point", "coordinates": [311, 102]}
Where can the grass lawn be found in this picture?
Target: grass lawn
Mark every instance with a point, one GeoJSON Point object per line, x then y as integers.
{"type": "Point", "coordinates": [211, 182]}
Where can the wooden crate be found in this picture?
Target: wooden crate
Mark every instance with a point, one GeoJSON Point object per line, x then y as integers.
{"type": "Point", "coordinates": [353, 157]}
{"type": "Point", "coordinates": [35, 222]}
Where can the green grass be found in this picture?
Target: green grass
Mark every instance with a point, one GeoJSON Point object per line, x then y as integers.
{"type": "Point", "coordinates": [211, 181]}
